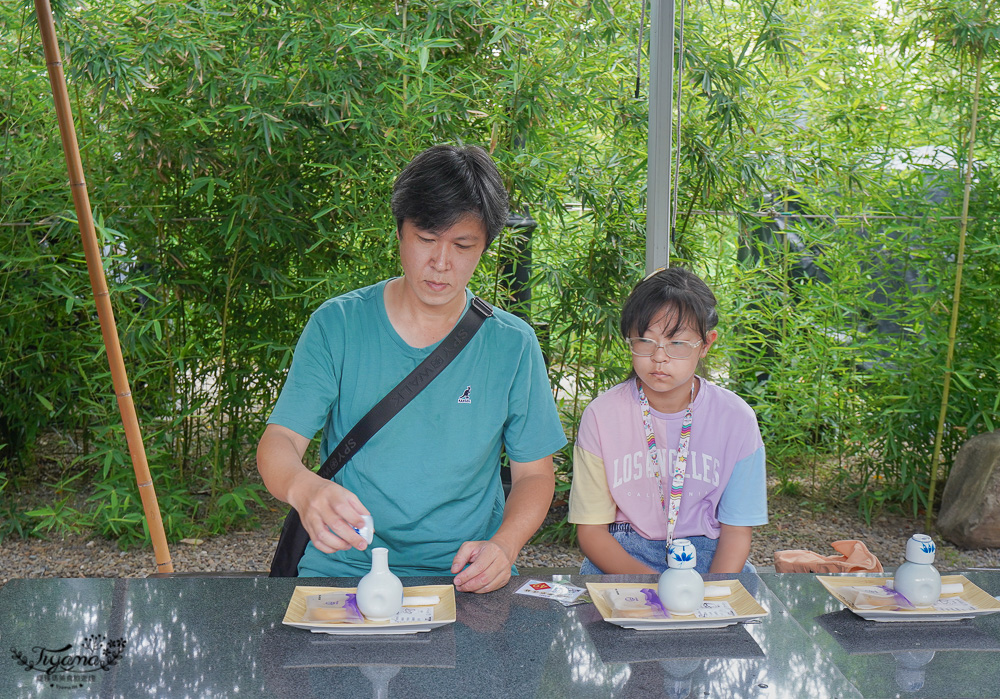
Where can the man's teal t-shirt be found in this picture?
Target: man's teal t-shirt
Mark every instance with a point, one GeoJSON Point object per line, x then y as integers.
{"type": "Point", "coordinates": [431, 476]}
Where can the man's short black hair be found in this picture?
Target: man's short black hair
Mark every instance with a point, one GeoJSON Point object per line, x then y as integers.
{"type": "Point", "coordinates": [686, 298]}
{"type": "Point", "coordinates": [444, 183]}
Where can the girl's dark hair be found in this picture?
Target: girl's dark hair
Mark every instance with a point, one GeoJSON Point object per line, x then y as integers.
{"type": "Point", "coordinates": [687, 299]}
{"type": "Point", "coordinates": [444, 183]}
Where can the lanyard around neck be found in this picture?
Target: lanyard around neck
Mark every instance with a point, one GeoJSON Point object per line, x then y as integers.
{"type": "Point", "coordinates": [680, 463]}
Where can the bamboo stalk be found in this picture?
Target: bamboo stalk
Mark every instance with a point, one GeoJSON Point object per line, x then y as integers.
{"type": "Point", "coordinates": [99, 284]}
{"type": "Point", "coordinates": [960, 263]}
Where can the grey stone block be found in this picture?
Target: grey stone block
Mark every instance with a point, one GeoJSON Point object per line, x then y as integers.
{"type": "Point", "coordinates": [970, 504]}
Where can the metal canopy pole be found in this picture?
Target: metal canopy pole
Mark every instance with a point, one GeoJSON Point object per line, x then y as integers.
{"type": "Point", "coordinates": [661, 71]}
{"type": "Point", "coordinates": [99, 284]}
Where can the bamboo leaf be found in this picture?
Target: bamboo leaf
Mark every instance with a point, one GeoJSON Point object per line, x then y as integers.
{"type": "Point", "coordinates": [45, 402]}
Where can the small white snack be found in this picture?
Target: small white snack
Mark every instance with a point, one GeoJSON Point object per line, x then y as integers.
{"type": "Point", "coordinates": [946, 588]}
{"type": "Point", "coordinates": [427, 601]}
{"type": "Point", "coordinates": [717, 591]}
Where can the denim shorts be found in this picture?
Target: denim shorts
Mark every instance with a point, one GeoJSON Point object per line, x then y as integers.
{"type": "Point", "coordinates": [653, 552]}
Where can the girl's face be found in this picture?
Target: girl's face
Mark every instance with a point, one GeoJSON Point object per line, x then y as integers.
{"type": "Point", "coordinates": [667, 381]}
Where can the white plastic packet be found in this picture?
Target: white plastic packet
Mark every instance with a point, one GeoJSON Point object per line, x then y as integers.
{"type": "Point", "coordinates": [635, 604]}
{"type": "Point", "coordinates": [333, 606]}
{"type": "Point", "coordinates": [875, 597]}
{"type": "Point", "coordinates": [564, 593]}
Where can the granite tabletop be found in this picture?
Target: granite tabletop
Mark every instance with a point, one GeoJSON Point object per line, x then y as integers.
{"type": "Point", "coordinates": [194, 636]}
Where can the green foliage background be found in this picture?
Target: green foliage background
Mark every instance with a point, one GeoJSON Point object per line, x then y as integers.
{"type": "Point", "coordinates": [239, 157]}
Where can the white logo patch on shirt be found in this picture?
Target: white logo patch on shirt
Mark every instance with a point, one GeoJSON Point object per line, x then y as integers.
{"type": "Point", "coordinates": [464, 398]}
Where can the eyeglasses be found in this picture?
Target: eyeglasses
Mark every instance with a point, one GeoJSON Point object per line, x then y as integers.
{"type": "Point", "coordinates": [675, 349]}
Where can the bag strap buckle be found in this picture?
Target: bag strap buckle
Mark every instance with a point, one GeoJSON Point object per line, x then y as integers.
{"type": "Point", "coordinates": [484, 309]}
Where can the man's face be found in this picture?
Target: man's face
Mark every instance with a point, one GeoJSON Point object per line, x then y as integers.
{"type": "Point", "coordinates": [438, 266]}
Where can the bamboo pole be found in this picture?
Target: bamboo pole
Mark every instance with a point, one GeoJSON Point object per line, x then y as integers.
{"type": "Point", "coordinates": [957, 294]}
{"type": "Point", "coordinates": [99, 284]}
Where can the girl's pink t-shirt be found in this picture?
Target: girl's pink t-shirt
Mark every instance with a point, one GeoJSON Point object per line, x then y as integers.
{"type": "Point", "coordinates": [613, 477]}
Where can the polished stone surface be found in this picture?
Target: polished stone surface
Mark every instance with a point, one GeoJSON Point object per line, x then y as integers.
{"type": "Point", "coordinates": [918, 659]}
{"type": "Point", "coordinates": [223, 637]}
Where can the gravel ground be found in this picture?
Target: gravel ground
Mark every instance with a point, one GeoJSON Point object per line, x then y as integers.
{"type": "Point", "coordinates": [792, 526]}
{"type": "Point", "coordinates": [86, 556]}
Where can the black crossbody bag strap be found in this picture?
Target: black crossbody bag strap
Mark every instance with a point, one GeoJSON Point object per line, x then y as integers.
{"type": "Point", "coordinates": [293, 540]}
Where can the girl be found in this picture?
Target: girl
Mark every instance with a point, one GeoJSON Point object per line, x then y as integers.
{"type": "Point", "coordinates": [666, 454]}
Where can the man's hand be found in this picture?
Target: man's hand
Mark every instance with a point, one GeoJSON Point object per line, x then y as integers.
{"type": "Point", "coordinates": [484, 566]}
{"type": "Point", "coordinates": [481, 566]}
{"type": "Point", "coordinates": [329, 512]}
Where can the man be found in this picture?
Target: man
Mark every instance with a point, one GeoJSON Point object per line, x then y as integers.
{"type": "Point", "coordinates": [430, 477]}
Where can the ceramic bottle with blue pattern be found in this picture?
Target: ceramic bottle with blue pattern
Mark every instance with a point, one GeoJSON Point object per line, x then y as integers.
{"type": "Point", "coordinates": [681, 588]}
{"type": "Point", "coordinates": [917, 579]}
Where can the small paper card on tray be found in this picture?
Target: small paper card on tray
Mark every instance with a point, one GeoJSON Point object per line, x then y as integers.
{"type": "Point", "coordinates": [972, 601]}
{"type": "Point", "coordinates": [409, 620]}
{"type": "Point", "coordinates": [738, 606]}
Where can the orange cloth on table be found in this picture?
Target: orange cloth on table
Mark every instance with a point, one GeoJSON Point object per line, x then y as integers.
{"type": "Point", "coordinates": [854, 558]}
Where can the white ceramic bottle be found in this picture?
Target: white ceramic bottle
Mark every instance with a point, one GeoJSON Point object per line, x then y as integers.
{"type": "Point", "coordinates": [380, 592]}
{"type": "Point", "coordinates": [917, 579]}
{"type": "Point", "coordinates": [681, 588]}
